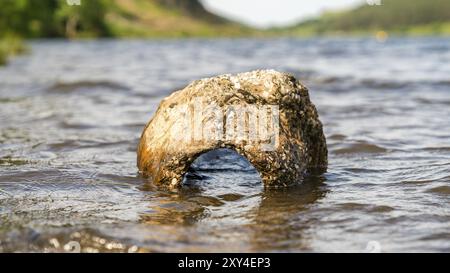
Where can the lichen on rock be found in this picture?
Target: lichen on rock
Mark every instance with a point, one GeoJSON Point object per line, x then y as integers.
{"type": "Point", "coordinates": [264, 115]}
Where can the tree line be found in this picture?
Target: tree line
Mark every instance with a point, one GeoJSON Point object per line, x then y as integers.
{"type": "Point", "coordinates": [52, 18]}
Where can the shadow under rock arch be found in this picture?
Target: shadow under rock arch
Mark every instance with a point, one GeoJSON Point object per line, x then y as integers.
{"type": "Point", "coordinates": [214, 178]}
{"type": "Point", "coordinates": [219, 160]}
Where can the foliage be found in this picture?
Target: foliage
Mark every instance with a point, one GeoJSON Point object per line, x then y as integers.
{"type": "Point", "coordinates": [398, 16]}
{"type": "Point", "coordinates": [9, 46]}
{"type": "Point", "coordinates": [112, 18]}
{"type": "Point", "coordinates": [52, 18]}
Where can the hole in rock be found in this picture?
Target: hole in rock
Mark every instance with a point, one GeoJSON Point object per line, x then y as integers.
{"type": "Point", "coordinates": [223, 172]}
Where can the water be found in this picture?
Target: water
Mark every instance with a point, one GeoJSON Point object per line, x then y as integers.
{"type": "Point", "coordinates": [71, 115]}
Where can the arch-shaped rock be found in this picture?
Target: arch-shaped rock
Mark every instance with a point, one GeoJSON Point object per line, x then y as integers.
{"type": "Point", "coordinates": [264, 115]}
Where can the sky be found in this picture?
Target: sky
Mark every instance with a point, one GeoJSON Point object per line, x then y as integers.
{"type": "Point", "coordinates": [268, 13]}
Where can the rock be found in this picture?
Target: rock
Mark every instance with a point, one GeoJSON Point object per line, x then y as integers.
{"type": "Point", "coordinates": [264, 115]}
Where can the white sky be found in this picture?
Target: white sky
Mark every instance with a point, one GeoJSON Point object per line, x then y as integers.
{"type": "Point", "coordinates": [267, 13]}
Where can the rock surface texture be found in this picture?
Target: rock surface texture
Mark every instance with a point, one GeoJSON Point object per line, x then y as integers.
{"type": "Point", "coordinates": [264, 115]}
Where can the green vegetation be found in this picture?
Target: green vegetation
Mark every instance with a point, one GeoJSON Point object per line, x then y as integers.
{"type": "Point", "coordinates": [401, 17]}
{"type": "Point", "coordinates": [107, 18]}
{"type": "Point", "coordinates": [113, 18]}
{"type": "Point", "coordinates": [187, 18]}
{"type": "Point", "coordinates": [173, 19]}
{"type": "Point", "coordinates": [46, 18]}
{"type": "Point", "coordinates": [10, 46]}
{"type": "Point", "coordinates": [51, 18]}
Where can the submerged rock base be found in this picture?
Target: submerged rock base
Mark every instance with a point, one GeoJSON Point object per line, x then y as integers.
{"type": "Point", "coordinates": [264, 115]}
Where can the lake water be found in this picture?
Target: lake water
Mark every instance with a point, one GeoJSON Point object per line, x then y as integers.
{"type": "Point", "coordinates": [71, 114]}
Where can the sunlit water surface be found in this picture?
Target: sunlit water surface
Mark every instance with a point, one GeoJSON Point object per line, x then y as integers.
{"type": "Point", "coordinates": [71, 114]}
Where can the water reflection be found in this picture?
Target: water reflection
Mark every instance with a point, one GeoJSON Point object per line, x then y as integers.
{"type": "Point", "coordinates": [217, 183]}
{"type": "Point", "coordinates": [182, 207]}
{"type": "Point", "coordinates": [68, 148]}
{"type": "Point", "coordinates": [215, 194]}
{"type": "Point", "coordinates": [281, 220]}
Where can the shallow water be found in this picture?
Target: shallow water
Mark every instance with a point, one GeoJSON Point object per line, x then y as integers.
{"type": "Point", "coordinates": [71, 114]}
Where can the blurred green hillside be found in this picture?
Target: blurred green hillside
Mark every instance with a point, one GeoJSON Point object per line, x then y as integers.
{"type": "Point", "coordinates": [24, 19]}
{"type": "Point", "coordinates": [112, 18]}
{"type": "Point", "coordinates": [187, 18]}
{"type": "Point", "coordinates": [399, 17]}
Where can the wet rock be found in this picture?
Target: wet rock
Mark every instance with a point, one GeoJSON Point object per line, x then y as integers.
{"type": "Point", "coordinates": [264, 115]}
